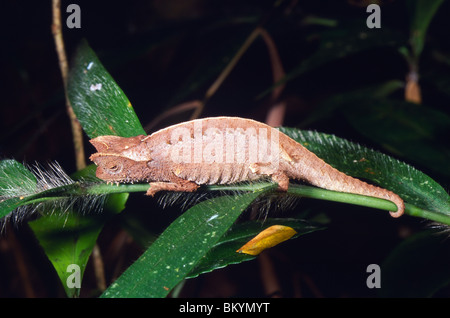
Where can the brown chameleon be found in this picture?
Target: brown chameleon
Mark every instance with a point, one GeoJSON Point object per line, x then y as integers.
{"type": "Point", "coordinates": [220, 150]}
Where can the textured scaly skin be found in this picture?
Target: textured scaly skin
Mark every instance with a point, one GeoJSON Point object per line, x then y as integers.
{"type": "Point", "coordinates": [151, 159]}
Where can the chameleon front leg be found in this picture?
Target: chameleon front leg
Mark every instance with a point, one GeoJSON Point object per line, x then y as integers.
{"type": "Point", "coordinates": [179, 186]}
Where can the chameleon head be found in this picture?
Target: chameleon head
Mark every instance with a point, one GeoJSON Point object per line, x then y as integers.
{"type": "Point", "coordinates": [112, 165]}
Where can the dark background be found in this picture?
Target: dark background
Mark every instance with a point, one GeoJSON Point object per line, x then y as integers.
{"type": "Point", "coordinates": [162, 53]}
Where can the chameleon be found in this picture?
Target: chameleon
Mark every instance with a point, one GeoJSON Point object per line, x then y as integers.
{"type": "Point", "coordinates": [221, 150]}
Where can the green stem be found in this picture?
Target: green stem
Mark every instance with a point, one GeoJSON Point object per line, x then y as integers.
{"type": "Point", "coordinates": [80, 189]}
{"type": "Point", "coordinates": [350, 198]}
{"type": "Point", "coordinates": [412, 210]}
{"type": "Point", "coordinates": [426, 214]}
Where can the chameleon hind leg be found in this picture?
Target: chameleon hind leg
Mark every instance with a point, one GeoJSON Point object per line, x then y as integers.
{"type": "Point", "coordinates": [278, 177]}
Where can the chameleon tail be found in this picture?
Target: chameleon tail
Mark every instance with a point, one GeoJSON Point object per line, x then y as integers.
{"type": "Point", "coordinates": [327, 177]}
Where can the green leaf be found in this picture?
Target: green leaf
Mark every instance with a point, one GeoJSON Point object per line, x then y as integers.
{"type": "Point", "coordinates": [180, 247]}
{"type": "Point", "coordinates": [417, 133]}
{"type": "Point", "coordinates": [418, 267]}
{"type": "Point", "coordinates": [19, 188]}
{"type": "Point", "coordinates": [413, 186]}
{"type": "Point", "coordinates": [408, 130]}
{"type": "Point", "coordinates": [421, 13]}
{"type": "Point", "coordinates": [328, 107]}
{"type": "Point", "coordinates": [98, 102]}
{"type": "Point", "coordinates": [16, 181]}
{"type": "Point", "coordinates": [67, 239]}
{"type": "Point", "coordinates": [102, 109]}
{"type": "Point", "coordinates": [66, 234]}
{"type": "Point", "coordinates": [69, 236]}
{"type": "Point", "coordinates": [224, 252]}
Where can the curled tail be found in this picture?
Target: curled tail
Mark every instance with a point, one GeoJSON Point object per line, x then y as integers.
{"type": "Point", "coordinates": [327, 177]}
{"type": "Point", "coordinates": [345, 183]}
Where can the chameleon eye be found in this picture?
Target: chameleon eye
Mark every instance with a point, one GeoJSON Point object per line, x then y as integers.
{"type": "Point", "coordinates": [114, 168]}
